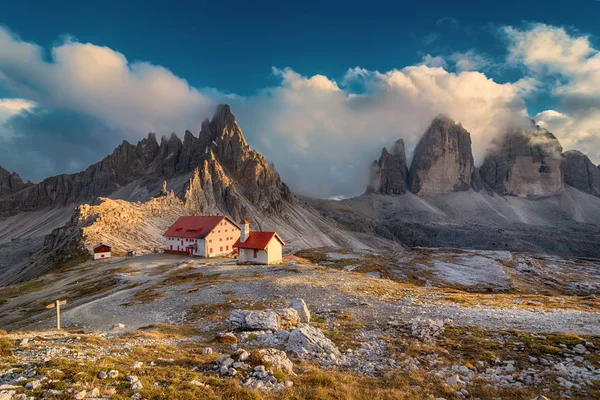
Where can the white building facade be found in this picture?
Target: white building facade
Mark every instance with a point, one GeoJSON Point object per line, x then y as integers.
{"type": "Point", "coordinates": [259, 247]}
{"type": "Point", "coordinates": [202, 236]}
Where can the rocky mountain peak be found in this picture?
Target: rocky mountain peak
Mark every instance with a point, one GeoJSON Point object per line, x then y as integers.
{"type": "Point", "coordinates": [389, 174]}
{"type": "Point", "coordinates": [443, 159]}
{"type": "Point", "coordinates": [524, 162]}
{"type": "Point", "coordinates": [11, 182]}
{"type": "Point", "coordinates": [220, 149]}
{"type": "Point", "coordinates": [580, 172]}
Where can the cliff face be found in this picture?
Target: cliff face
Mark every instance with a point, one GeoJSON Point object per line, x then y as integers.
{"type": "Point", "coordinates": [443, 160]}
{"type": "Point", "coordinates": [220, 141]}
{"type": "Point", "coordinates": [525, 163]}
{"type": "Point", "coordinates": [389, 174]}
{"type": "Point", "coordinates": [581, 173]}
{"type": "Point", "coordinates": [11, 182]}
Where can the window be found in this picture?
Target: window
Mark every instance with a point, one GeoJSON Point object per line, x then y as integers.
{"type": "Point", "coordinates": [221, 248]}
{"type": "Point", "coordinates": [171, 247]}
{"type": "Point", "coordinates": [220, 239]}
{"type": "Point", "coordinates": [219, 231]}
{"type": "Point", "coordinates": [210, 241]}
{"type": "Point", "coordinates": [226, 247]}
{"type": "Point", "coordinates": [255, 253]}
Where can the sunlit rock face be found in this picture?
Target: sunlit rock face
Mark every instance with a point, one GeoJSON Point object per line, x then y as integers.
{"type": "Point", "coordinates": [443, 159]}
{"type": "Point", "coordinates": [525, 162]}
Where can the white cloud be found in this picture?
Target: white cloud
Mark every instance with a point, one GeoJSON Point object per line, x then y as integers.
{"type": "Point", "coordinates": [10, 108]}
{"type": "Point", "coordinates": [581, 134]}
{"type": "Point", "coordinates": [469, 61]}
{"type": "Point", "coordinates": [134, 97]}
{"type": "Point", "coordinates": [322, 137]}
{"type": "Point", "coordinates": [572, 66]}
{"type": "Point", "coordinates": [437, 61]}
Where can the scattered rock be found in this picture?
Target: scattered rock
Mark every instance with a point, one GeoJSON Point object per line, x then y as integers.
{"type": "Point", "coordinates": [309, 341]}
{"type": "Point", "coordinates": [278, 359]}
{"type": "Point", "coordinates": [137, 365]}
{"type": "Point", "coordinates": [272, 320]}
{"type": "Point", "coordinates": [302, 309]}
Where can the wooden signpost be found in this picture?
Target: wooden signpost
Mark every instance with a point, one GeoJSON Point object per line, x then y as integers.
{"type": "Point", "coordinates": [57, 305]}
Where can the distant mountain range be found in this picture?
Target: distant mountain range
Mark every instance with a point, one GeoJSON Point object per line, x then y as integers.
{"type": "Point", "coordinates": [523, 162]}
{"type": "Point", "coordinates": [526, 196]}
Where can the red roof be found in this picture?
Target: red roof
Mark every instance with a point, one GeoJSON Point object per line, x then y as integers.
{"type": "Point", "coordinates": [197, 227]}
{"type": "Point", "coordinates": [258, 240]}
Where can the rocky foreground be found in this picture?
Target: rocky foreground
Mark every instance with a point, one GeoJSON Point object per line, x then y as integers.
{"type": "Point", "coordinates": [281, 354]}
{"type": "Point", "coordinates": [432, 324]}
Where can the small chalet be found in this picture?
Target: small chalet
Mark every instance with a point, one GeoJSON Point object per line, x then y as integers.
{"type": "Point", "coordinates": [258, 247]}
{"type": "Point", "coordinates": [203, 236]}
{"type": "Point", "coordinates": [102, 250]}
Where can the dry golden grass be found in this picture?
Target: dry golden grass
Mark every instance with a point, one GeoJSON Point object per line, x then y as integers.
{"type": "Point", "coordinates": [173, 379]}
{"type": "Point", "coordinates": [5, 347]}
{"type": "Point", "coordinates": [521, 300]}
{"type": "Point", "coordinates": [143, 296]}
{"type": "Point", "coordinates": [165, 331]}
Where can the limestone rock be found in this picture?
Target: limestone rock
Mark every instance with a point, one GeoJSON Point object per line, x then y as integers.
{"type": "Point", "coordinates": [253, 320]}
{"type": "Point", "coordinates": [272, 320]}
{"type": "Point", "coordinates": [278, 359]}
{"type": "Point", "coordinates": [525, 162]}
{"type": "Point", "coordinates": [113, 373]}
{"type": "Point", "coordinates": [308, 340]}
{"type": "Point", "coordinates": [389, 174]}
{"type": "Point", "coordinates": [443, 159]}
{"type": "Point", "coordinates": [300, 306]}
{"type": "Point", "coordinates": [137, 365]}
{"type": "Point", "coordinates": [581, 173]}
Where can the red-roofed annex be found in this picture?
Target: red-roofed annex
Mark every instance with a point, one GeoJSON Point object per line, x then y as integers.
{"type": "Point", "coordinates": [258, 247]}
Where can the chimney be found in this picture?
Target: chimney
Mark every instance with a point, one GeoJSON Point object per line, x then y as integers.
{"type": "Point", "coordinates": [245, 232]}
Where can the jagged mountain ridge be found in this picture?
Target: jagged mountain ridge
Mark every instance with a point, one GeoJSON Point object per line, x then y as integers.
{"type": "Point", "coordinates": [11, 182]}
{"type": "Point", "coordinates": [220, 139]}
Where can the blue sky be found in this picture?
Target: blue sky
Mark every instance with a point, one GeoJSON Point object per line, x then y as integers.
{"type": "Point", "coordinates": [276, 61]}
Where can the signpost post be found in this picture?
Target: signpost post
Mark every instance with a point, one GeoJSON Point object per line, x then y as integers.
{"type": "Point", "coordinates": [57, 305]}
